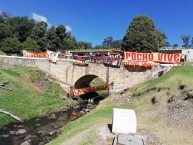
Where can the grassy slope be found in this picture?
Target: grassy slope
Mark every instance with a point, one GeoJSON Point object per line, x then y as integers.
{"type": "Point", "coordinates": [146, 113]}
{"type": "Point", "coordinates": [26, 99]}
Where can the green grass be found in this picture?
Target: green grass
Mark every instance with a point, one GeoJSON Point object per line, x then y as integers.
{"type": "Point", "coordinates": [171, 79]}
{"type": "Point", "coordinates": [2, 53]}
{"type": "Point", "coordinates": [26, 99]}
{"type": "Point", "coordinates": [145, 111]}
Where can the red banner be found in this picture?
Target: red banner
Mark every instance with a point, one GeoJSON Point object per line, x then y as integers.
{"type": "Point", "coordinates": [82, 91]}
{"type": "Point", "coordinates": [153, 57]}
{"type": "Point", "coordinates": [34, 54]}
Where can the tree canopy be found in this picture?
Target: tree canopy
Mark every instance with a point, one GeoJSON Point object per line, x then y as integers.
{"type": "Point", "coordinates": [186, 40]}
{"type": "Point", "coordinates": [11, 45]}
{"type": "Point", "coordinates": [142, 36]}
{"type": "Point", "coordinates": [18, 33]}
{"type": "Point", "coordinates": [109, 42]}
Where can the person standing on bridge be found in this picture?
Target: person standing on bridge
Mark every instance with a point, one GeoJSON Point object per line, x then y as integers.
{"type": "Point", "coordinates": [112, 85]}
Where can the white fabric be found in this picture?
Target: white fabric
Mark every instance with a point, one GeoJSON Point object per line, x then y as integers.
{"type": "Point", "coordinates": [124, 121]}
{"type": "Point", "coordinates": [52, 56]}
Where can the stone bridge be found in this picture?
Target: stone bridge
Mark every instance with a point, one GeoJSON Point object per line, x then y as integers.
{"type": "Point", "coordinates": [76, 76]}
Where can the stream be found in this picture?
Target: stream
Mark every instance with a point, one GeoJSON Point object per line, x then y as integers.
{"type": "Point", "coordinates": [40, 130]}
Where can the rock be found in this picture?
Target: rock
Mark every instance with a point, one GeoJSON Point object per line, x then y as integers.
{"type": "Point", "coordinates": [171, 99]}
{"type": "Point", "coordinates": [43, 132]}
{"type": "Point", "coordinates": [28, 137]}
{"type": "Point", "coordinates": [51, 133]}
{"type": "Point", "coordinates": [154, 100]}
{"type": "Point", "coordinates": [12, 132]}
{"type": "Point", "coordinates": [73, 116]}
{"type": "Point", "coordinates": [82, 112]}
{"type": "Point", "coordinates": [21, 131]}
{"type": "Point", "coordinates": [84, 109]}
{"type": "Point", "coordinates": [65, 108]}
{"type": "Point", "coordinates": [5, 135]}
{"type": "Point", "coordinates": [52, 117]}
{"type": "Point", "coordinates": [41, 143]}
{"type": "Point", "coordinates": [20, 126]}
{"type": "Point", "coordinates": [37, 125]}
{"type": "Point", "coordinates": [62, 118]}
{"type": "Point", "coordinates": [87, 110]}
{"type": "Point", "coordinates": [25, 143]}
{"type": "Point", "coordinates": [4, 128]}
{"type": "Point", "coordinates": [58, 131]}
{"type": "Point", "coordinates": [46, 139]}
{"type": "Point", "coordinates": [55, 127]}
{"type": "Point", "coordinates": [76, 106]}
{"type": "Point", "coordinates": [89, 106]}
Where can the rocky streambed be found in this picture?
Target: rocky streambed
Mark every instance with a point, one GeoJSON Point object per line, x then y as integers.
{"type": "Point", "coordinates": [40, 130]}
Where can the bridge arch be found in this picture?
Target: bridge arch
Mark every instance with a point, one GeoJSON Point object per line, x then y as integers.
{"type": "Point", "coordinates": [85, 81]}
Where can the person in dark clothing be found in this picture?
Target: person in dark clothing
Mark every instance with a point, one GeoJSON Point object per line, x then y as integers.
{"type": "Point", "coordinates": [112, 85]}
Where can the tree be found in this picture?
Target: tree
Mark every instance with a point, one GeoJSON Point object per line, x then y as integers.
{"type": "Point", "coordinates": [175, 45]}
{"type": "Point", "coordinates": [185, 39]}
{"type": "Point", "coordinates": [31, 45]}
{"type": "Point", "coordinates": [69, 43]}
{"type": "Point", "coordinates": [116, 44]}
{"type": "Point", "coordinates": [84, 45]}
{"type": "Point", "coordinates": [11, 46]}
{"type": "Point", "coordinates": [56, 38]}
{"type": "Point", "coordinates": [110, 43]}
{"type": "Point", "coordinates": [5, 15]}
{"type": "Point", "coordinates": [161, 37]}
{"type": "Point", "coordinates": [61, 35]}
{"type": "Point", "coordinates": [53, 40]}
{"type": "Point", "coordinates": [107, 42]}
{"type": "Point", "coordinates": [192, 42]}
{"type": "Point", "coordinates": [5, 31]}
{"type": "Point", "coordinates": [2, 20]}
{"type": "Point", "coordinates": [168, 44]}
{"type": "Point", "coordinates": [141, 35]}
{"type": "Point", "coordinates": [38, 34]}
{"type": "Point", "coordinates": [21, 27]}
{"type": "Point", "coordinates": [98, 47]}
{"type": "Point", "coordinates": [61, 31]}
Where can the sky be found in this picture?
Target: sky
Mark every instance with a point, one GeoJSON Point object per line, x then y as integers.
{"type": "Point", "coordinates": [94, 20]}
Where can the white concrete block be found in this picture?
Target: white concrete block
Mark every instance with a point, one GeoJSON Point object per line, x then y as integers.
{"type": "Point", "coordinates": [124, 121]}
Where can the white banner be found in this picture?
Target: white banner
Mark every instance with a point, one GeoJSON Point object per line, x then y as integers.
{"type": "Point", "coordinates": [52, 56]}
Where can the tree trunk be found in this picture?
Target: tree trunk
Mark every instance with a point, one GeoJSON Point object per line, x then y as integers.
{"type": "Point", "coordinates": [9, 114]}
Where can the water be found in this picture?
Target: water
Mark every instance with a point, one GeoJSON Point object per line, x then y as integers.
{"type": "Point", "coordinates": [40, 130]}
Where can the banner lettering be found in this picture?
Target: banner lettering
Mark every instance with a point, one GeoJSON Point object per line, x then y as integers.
{"type": "Point", "coordinates": [34, 54]}
{"type": "Point", "coordinates": [153, 57]}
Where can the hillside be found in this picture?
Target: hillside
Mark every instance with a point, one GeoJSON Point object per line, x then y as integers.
{"type": "Point", "coordinates": [163, 108]}
{"type": "Point", "coordinates": [32, 93]}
